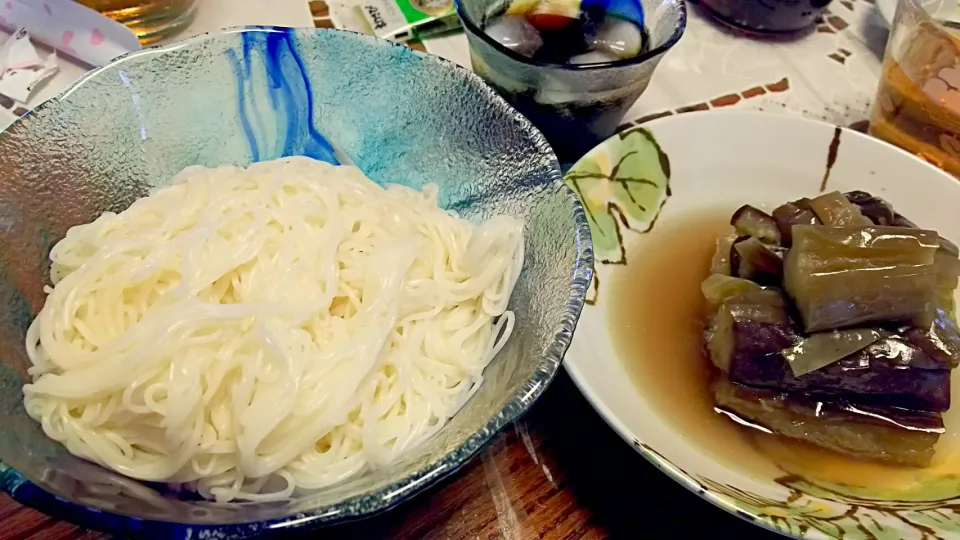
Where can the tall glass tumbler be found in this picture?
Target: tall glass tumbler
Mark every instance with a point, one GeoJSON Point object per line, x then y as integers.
{"type": "Point", "coordinates": [575, 106]}
{"type": "Point", "coordinates": [918, 99]}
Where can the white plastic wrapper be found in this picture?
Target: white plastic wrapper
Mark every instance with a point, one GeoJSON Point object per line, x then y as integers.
{"type": "Point", "coordinates": [70, 28]}
{"type": "Point", "coordinates": [21, 68]}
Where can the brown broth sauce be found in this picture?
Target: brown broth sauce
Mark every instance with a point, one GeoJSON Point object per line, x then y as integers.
{"type": "Point", "coordinates": [656, 324]}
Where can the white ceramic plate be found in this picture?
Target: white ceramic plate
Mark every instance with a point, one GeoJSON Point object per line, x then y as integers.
{"type": "Point", "coordinates": [938, 9]}
{"type": "Point", "coordinates": [716, 161]}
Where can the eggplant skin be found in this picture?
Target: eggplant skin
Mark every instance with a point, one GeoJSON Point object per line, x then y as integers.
{"type": "Point", "coordinates": [888, 435]}
{"type": "Point", "coordinates": [757, 261]}
{"type": "Point", "coordinates": [891, 373]}
{"type": "Point", "coordinates": [941, 341]}
{"type": "Point", "coordinates": [789, 214]}
{"type": "Point", "coordinates": [949, 247]}
{"type": "Point", "coordinates": [751, 221]}
{"type": "Point", "coordinates": [876, 209]}
{"type": "Point", "coordinates": [750, 325]}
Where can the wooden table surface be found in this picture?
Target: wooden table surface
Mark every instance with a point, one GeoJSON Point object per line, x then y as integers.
{"type": "Point", "coordinates": [560, 473]}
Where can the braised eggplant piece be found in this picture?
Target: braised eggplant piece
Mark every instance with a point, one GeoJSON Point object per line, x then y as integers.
{"type": "Point", "coordinates": [879, 211]}
{"type": "Point", "coordinates": [949, 248]}
{"type": "Point", "coordinates": [718, 287]}
{"type": "Point", "coordinates": [835, 210]}
{"type": "Point", "coordinates": [893, 371]}
{"type": "Point", "coordinates": [940, 341]}
{"type": "Point", "coordinates": [734, 257]}
{"type": "Point", "coordinates": [848, 276]}
{"type": "Point", "coordinates": [948, 267]}
{"type": "Point", "coordinates": [839, 329]}
{"type": "Point", "coordinates": [946, 246]}
{"type": "Point", "coordinates": [720, 264]}
{"type": "Point", "coordinates": [893, 436]}
{"type": "Point", "coordinates": [751, 221]}
{"type": "Point", "coordinates": [803, 203]}
{"type": "Point", "coordinates": [821, 349]}
{"type": "Point", "coordinates": [948, 277]}
{"type": "Point", "coordinates": [900, 221]}
{"type": "Point", "coordinates": [752, 259]}
{"type": "Point", "coordinates": [748, 325]}
{"type": "Point", "coordinates": [789, 214]}
{"type": "Point", "coordinates": [878, 216]}
{"type": "Point", "coordinates": [949, 263]}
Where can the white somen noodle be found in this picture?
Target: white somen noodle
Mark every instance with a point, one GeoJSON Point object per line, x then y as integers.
{"type": "Point", "coordinates": [253, 331]}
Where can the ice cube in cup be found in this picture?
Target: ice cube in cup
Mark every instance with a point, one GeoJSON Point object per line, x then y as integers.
{"type": "Point", "coordinates": [515, 33]}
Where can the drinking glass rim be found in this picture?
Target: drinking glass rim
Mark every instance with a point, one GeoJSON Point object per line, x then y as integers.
{"type": "Point", "coordinates": [640, 58]}
{"type": "Point", "coordinates": [917, 7]}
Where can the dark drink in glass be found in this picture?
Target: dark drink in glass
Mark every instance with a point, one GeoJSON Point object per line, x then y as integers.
{"type": "Point", "coordinates": [766, 16]}
{"type": "Point", "coordinates": [573, 70]}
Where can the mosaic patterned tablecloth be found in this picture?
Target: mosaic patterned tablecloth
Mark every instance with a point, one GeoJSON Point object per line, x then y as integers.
{"type": "Point", "coordinates": [830, 73]}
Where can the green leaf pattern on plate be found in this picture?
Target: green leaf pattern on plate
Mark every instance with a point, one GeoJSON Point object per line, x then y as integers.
{"type": "Point", "coordinates": [622, 183]}
{"type": "Point", "coordinates": [812, 510]}
{"type": "Point", "coordinates": [820, 512]}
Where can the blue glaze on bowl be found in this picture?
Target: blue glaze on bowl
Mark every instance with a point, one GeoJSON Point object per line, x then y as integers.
{"type": "Point", "coordinates": [289, 92]}
{"type": "Point", "coordinates": [256, 94]}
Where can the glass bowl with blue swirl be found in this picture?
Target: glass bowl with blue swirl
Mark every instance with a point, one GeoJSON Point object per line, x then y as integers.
{"type": "Point", "coordinates": [255, 94]}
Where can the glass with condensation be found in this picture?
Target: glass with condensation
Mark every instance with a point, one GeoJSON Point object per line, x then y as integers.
{"type": "Point", "coordinates": [918, 101]}
{"type": "Point", "coordinates": [150, 20]}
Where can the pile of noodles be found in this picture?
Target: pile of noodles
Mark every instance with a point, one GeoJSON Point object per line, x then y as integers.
{"type": "Point", "coordinates": [252, 331]}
